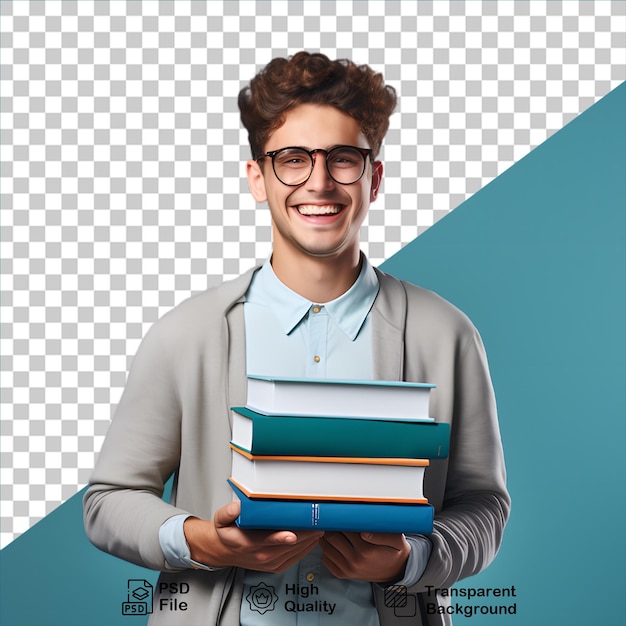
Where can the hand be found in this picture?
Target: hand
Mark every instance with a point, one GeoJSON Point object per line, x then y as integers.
{"type": "Point", "coordinates": [220, 543]}
{"type": "Point", "coordinates": [373, 557]}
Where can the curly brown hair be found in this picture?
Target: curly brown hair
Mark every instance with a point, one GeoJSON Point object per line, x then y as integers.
{"type": "Point", "coordinates": [312, 78]}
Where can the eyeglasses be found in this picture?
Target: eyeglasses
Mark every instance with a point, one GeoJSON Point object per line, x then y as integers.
{"type": "Point", "coordinates": [293, 166]}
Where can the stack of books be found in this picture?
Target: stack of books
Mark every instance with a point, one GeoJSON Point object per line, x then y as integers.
{"type": "Point", "coordinates": [335, 455]}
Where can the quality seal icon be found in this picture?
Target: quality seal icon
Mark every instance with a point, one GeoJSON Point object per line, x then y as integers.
{"type": "Point", "coordinates": [262, 598]}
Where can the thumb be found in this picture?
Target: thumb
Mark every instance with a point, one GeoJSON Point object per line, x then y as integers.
{"type": "Point", "coordinates": [227, 515]}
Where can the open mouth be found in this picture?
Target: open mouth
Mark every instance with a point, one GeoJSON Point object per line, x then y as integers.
{"type": "Point", "coordinates": [317, 209]}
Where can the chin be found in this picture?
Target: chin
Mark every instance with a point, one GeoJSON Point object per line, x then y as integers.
{"type": "Point", "coordinates": [324, 251]}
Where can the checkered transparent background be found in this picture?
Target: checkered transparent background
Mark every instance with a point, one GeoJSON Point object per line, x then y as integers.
{"type": "Point", "coordinates": [122, 178]}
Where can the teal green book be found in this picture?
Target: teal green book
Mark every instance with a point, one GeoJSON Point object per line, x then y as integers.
{"type": "Point", "coordinates": [289, 435]}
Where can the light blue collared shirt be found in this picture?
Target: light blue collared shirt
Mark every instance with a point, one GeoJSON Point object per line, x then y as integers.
{"type": "Point", "coordinates": [288, 335]}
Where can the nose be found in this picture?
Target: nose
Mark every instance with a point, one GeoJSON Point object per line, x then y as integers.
{"type": "Point", "coordinates": [319, 179]}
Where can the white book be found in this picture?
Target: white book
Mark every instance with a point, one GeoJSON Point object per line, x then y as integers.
{"type": "Point", "coordinates": [379, 399]}
{"type": "Point", "coordinates": [329, 478]}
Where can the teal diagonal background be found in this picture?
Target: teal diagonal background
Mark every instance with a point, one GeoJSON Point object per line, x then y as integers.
{"type": "Point", "coordinates": [537, 259]}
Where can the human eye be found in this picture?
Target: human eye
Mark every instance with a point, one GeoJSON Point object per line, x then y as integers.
{"type": "Point", "coordinates": [293, 158]}
{"type": "Point", "coordinates": [346, 157]}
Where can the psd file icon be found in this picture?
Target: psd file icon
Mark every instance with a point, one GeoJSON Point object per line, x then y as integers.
{"type": "Point", "coordinates": [139, 597]}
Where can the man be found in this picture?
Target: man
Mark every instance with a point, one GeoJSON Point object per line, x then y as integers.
{"type": "Point", "coordinates": [316, 308]}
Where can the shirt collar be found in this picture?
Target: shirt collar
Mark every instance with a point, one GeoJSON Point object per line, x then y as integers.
{"type": "Point", "coordinates": [349, 311]}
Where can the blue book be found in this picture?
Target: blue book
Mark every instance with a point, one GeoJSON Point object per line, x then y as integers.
{"type": "Point", "coordinates": [378, 517]}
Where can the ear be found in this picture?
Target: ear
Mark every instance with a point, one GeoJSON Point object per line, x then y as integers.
{"type": "Point", "coordinates": [377, 179]}
{"type": "Point", "coordinates": [256, 181]}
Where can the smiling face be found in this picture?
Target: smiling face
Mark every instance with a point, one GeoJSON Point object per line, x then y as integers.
{"type": "Point", "coordinates": [319, 218]}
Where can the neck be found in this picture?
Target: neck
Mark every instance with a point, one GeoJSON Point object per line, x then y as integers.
{"type": "Point", "coordinates": [318, 279]}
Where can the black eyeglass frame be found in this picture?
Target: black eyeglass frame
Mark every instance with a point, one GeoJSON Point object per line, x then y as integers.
{"type": "Point", "coordinates": [365, 152]}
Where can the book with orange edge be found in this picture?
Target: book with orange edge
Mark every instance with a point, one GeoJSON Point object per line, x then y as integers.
{"type": "Point", "coordinates": [329, 478]}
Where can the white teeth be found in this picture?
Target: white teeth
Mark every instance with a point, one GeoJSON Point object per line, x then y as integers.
{"type": "Point", "coordinates": [314, 209]}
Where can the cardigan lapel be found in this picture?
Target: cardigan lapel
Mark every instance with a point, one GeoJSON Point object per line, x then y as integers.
{"type": "Point", "coordinates": [388, 323]}
{"type": "Point", "coordinates": [236, 341]}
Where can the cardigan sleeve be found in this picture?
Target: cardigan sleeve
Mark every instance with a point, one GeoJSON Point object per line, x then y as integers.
{"type": "Point", "coordinates": [421, 337]}
{"type": "Point", "coordinates": [123, 505]}
{"type": "Point", "coordinates": [468, 528]}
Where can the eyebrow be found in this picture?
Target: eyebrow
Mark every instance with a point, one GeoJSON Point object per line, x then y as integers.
{"type": "Point", "coordinates": [328, 148]}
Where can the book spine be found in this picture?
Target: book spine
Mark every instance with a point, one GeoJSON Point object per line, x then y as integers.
{"type": "Point", "coordinates": [334, 516]}
{"type": "Point", "coordinates": [313, 436]}
{"type": "Point", "coordinates": [401, 449]}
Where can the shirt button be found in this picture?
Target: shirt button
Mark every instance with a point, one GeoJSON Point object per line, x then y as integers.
{"type": "Point", "coordinates": [310, 577]}
{"type": "Point", "coordinates": [316, 359]}
{"type": "Point", "coordinates": [317, 309]}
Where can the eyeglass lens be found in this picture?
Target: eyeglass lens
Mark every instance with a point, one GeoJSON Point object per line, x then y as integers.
{"type": "Point", "coordinates": [293, 166]}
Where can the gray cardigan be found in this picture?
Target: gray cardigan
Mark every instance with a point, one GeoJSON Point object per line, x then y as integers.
{"type": "Point", "coordinates": [174, 417]}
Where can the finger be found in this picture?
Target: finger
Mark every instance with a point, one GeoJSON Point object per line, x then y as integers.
{"type": "Point", "coordinates": [337, 551]}
{"type": "Point", "coordinates": [280, 538]}
{"type": "Point", "coordinates": [277, 559]}
{"type": "Point", "coordinates": [389, 540]}
{"type": "Point", "coordinates": [287, 536]}
{"type": "Point", "coordinates": [335, 562]}
{"type": "Point", "coordinates": [353, 539]}
{"type": "Point", "coordinates": [305, 548]}
{"type": "Point", "coordinates": [298, 536]}
{"type": "Point", "coordinates": [341, 542]}
{"type": "Point", "coordinates": [233, 536]}
{"type": "Point", "coordinates": [226, 515]}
